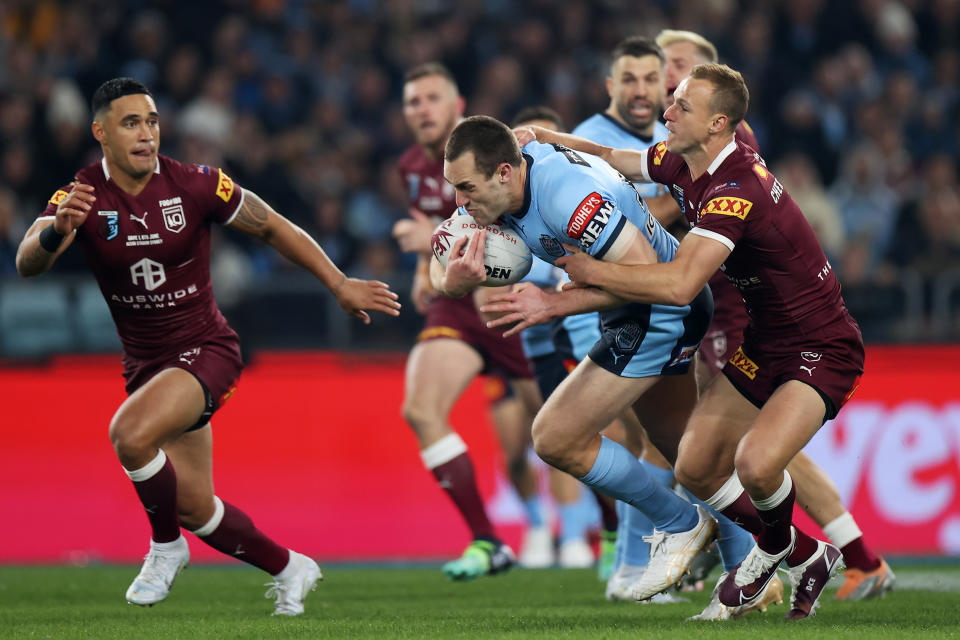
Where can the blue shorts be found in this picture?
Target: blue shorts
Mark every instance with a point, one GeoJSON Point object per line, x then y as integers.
{"type": "Point", "coordinates": [643, 340]}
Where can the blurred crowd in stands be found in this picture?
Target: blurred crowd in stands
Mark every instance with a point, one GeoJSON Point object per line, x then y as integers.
{"type": "Point", "coordinates": [855, 103]}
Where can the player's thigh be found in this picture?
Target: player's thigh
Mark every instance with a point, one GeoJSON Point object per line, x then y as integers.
{"type": "Point", "coordinates": [665, 409]}
{"type": "Point", "coordinates": [787, 421]}
{"type": "Point", "coordinates": [438, 371]}
{"type": "Point", "coordinates": [709, 442]}
{"type": "Point", "coordinates": [191, 454]}
{"type": "Point", "coordinates": [585, 403]}
{"type": "Point", "coordinates": [169, 403]}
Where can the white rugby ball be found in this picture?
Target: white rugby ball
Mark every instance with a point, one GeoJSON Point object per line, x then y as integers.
{"type": "Point", "coordinates": [506, 257]}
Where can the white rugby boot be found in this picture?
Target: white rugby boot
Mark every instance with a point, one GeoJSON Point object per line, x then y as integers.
{"type": "Point", "coordinates": [716, 610]}
{"type": "Point", "coordinates": [537, 550]}
{"type": "Point", "coordinates": [292, 585]}
{"type": "Point", "coordinates": [575, 554]}
{"type": "Point", "coordinates": [671, 555]}
{"type": "Point", "coordinates": [161, 566]}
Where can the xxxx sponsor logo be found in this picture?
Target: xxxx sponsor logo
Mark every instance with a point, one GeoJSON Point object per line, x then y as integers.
{"type": "Point", "coordinates": [224, 187]}
{"type": "Point", "coordinates": [58, 196]}
{"type": "Point", "coordinates": [737, 207]}
{"type": "Point", "coordinates": [744, 364]}
{"type": "Point", "coordinates": [658, 152]}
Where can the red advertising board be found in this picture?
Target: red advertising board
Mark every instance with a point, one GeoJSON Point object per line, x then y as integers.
{"type": "Point", "coordinates": [314, 448]}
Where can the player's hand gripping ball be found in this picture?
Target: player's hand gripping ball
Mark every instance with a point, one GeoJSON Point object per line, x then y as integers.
{"type": "Point", "coordinates": [506, 258]}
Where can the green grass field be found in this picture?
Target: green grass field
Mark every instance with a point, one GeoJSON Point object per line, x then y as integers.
{"type": "Point", "coordinates": [417, 602]}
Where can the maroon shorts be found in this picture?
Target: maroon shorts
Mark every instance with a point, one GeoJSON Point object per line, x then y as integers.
{"type": "Point", "coordinates": [215, 363]}
{"type": "Point", "coordinates": [458, 318]}
{"type": "Point", "coordinates": [831, 361]}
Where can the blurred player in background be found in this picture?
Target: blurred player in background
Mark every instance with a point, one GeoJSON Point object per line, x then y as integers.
{"type": "Point", "coordinates": [631, 121]}
{"type": "Point", "coordinates": [550, 194]}
{"type": "Point", "coordinates": [802, 355]}
{"type": "Point", "coordinates": [143, 222]}
{"type": "Point", "coordinates": [867, 574]}
{"type": "Point", "coordinates": [455, 346]}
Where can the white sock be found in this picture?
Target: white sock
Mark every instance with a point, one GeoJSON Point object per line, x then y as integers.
{"type": "Point", "coordinates": [168, 546]}
{"type": "Point", "coordinates": [443, 450]}
{"type": "Point", "coordinates": [843, 530]}
{"type": "Point", "coordinates": [778, 496]}
{"type": "Point", "coordinates": [214, 521]}
{"type": "Point", "coordinates": [149, 470]}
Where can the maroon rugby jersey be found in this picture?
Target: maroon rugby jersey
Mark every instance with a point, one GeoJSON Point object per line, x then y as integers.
{"type": "Point", "coordinates": [150, 253]}
{"type": "Point", "coordinates": [430, 192]}
{"type": "Point", "coordinates": [776, 262]}
{"type": "Point", "coordinates": [729, 314]}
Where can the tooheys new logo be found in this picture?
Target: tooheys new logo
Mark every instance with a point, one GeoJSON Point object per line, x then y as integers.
{"type": "Point", "coordinates": [588, 221]}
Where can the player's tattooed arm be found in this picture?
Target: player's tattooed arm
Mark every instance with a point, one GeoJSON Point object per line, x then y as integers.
{"type": "Point", "coordinates": [253, 216]}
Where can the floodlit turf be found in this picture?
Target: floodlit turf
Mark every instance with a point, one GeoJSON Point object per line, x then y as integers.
{"type": "Point", "coordinates": [361, 602]}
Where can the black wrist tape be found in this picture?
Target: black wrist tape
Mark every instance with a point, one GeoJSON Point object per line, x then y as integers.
{"type": "Point", "coordinates": [50, 239]}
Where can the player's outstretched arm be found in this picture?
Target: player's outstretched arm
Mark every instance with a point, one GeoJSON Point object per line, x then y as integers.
{"type": "Point", "coordinates": [674, 283]}
{"type": "Point", "coordinates": [46, 239]}
{"type": "Point", "coordinates": [629, 162]}
{"type": "Point", "coordinates": [257, 219]}
{"type": "Point", "coordinates": [527, 305]}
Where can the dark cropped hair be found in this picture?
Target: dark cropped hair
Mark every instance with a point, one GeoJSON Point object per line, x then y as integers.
{"type": "Point", "coordinates": [491, 141]}
{"type": "Point", "coordinates": [539, 112]}
{"type": "Point", "coordinates": [637, 47]}
{"type": "Point", "coordinates": [116, 88]}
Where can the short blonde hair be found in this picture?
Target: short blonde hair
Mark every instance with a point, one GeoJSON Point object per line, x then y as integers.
{"type": "Point", "coordinates": [704, 47]}
{"type": "Point", "coordinates": [730, 94]}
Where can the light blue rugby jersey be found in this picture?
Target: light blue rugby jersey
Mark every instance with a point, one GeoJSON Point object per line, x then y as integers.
{"type": "Point", "coordinates": [603, 129]}
{"type": "Point", "coordinates": [583, 329]}
{"type": "Point", "coordinates": [579, 199]}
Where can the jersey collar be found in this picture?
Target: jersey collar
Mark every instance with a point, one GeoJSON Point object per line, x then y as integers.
{"type": "Point", "coordinates": [526, 189]}
{"type": "Point", "coordinates": [644, 139]}
{"type": "Point", "coordinates": [106, 172]}
{"type": "Point", "coordinates": [726, 151]}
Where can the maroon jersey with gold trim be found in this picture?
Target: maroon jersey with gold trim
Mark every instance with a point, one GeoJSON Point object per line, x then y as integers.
{"type": "Point", "coordinates": [729, 314]}
{"type": "Point", "coordinates": [150, 253]}
{"type": "Point", "coordinates": [776, 262]}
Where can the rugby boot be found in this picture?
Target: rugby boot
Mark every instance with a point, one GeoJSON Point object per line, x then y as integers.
{"type": "Point", "coordinates": [716, 610]}
{"type": "Point", "coordinates": [160, 568]}
{"type": "Point", "coordinates": [292, 585]}
{"type": "Point", "coordinates": [808, 580]}
{"type": "Point", "coordinates": [481, 558]}
{"type": "Point", "coordinates": [748, 580]}
{"type": "Point", "coordinates": [862, 585]}
{"type": "Point", "coordinates": [671, 555]}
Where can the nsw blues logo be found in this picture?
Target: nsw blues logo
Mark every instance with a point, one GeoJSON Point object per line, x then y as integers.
{"type": "Point", "coordinates": [628, 337]}
{"type": "Point", "coordinates": [552, 246]}
{"type": "Point", "coordinates": [108, 225]}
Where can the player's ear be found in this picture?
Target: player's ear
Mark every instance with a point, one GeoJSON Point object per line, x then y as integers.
{"type": "Point", "coordinates": [719, 123]}
{"type": "Point", "coordinates": [609, 83]}
{"type": "Point", "coordinates": [97, 129]}
{"type": "Point", "coordinates": [504, 172]}
{"type": "Point", "coordinates": [461, 106]}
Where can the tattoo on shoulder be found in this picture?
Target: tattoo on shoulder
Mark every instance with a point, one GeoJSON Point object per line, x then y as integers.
{"type": "Point", "coordinates": [253, 214]}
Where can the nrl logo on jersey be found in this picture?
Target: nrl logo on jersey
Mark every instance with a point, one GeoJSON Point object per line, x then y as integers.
{"type": "Point", "coordinates": [552, 246]}
{"type": "Point", "coordinates": [108, 225]}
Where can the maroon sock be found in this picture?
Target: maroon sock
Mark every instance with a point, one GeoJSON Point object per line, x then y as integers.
{"type": "Point", "coordinates": [237, 536]}
{"type": "Point", "coordinates": [458, 480]}
{"type": "Point", "coordinates": [802, 550]}
{"type": "Point", "coordinates": [777, 521]}
{"type": "Point", "coordinates": [857, 555]}
{"type": "Point", "coordinates": [608, 511]}
{"type": "Point", "coordinates": [744, 514]}
{"type": "Point", "coordinates": [158, 495]}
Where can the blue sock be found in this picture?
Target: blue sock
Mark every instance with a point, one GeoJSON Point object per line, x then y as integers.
{"type": "Point", "coordinates": [574, 521]}
{"type": "Point", "coordinates": [621, 532]}
{"type": "Point", "coordinates": [733, 542]}
{"type": "Point", "coordinates": [636, 550]}
{"type": "Point", "coordinates": [534, 509]}
{"type": "Point", "coordinates": [618, 474]}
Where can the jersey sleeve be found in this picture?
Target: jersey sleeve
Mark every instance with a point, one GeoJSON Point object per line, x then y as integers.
{"type": "Point", "coordinates": [51, 209]}
{"type": "Point", "coordinates": [661, 165]}
{"type": "Point", "coordinates": [583, 213]}
{"type": "Point", "coordinates": [215, 191]}
{"type": "Point", "coordinates": [726, 213]}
